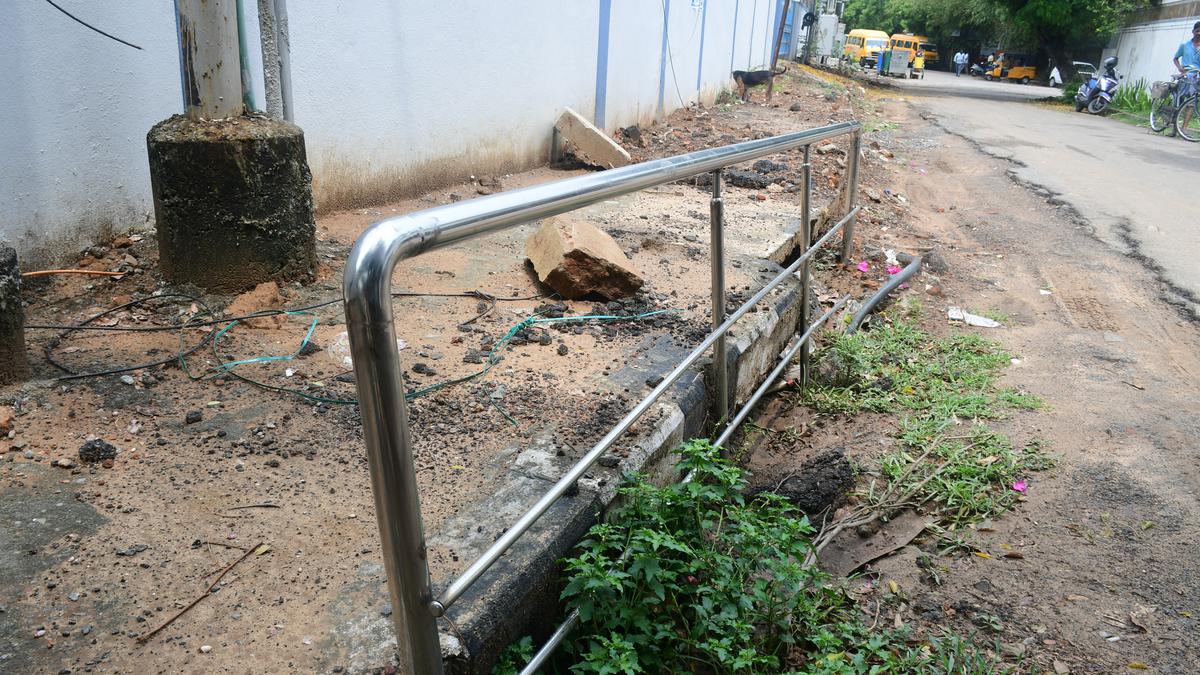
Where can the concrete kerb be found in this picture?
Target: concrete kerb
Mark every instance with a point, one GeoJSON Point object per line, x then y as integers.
{"type": "Point", "coordinates": [522, 588]}
{"type": "Point", "coordinates": [519, 594]}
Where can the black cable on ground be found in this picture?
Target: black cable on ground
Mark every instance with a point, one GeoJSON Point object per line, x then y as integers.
{"type": "Point", "coordinates": [181, 355]}
{"type": "Point", "coordinates": [72, 375]}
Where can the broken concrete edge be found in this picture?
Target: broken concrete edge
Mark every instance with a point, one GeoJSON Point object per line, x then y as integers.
{"type": "Point", "coordinates": [515, 597]}
{"type": "Point", "coordinates": [14, 366]}
{"type": "Point", "coordinates": [587, 142]}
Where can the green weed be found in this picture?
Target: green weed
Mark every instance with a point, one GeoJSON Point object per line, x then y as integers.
{"type": "Point", "coordinates": [514, 657]}
{"type": "Point", "coordinates": [693, 577]}
{"type": "Point", "coordinates": [945, 390]}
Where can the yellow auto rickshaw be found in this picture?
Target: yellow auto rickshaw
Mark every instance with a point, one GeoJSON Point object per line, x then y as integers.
{"type": "Point", "coordinates": [1012, 67]}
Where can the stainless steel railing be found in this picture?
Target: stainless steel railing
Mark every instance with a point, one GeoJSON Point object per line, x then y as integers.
{"type": "Point", "coordinates": [370, 324]}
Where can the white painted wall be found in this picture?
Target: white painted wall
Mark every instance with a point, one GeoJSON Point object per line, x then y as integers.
{"type": "Point", "coordinates": [393, 97]}
{"type": "Point", "coordinates": [1145, 51]}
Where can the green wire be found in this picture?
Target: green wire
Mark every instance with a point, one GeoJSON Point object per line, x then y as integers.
{"type": "Point", "coordinates": [227, 367]}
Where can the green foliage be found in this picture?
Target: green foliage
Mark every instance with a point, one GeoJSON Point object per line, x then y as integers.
{"type": "Point", "coordinates": [897, 367]}
{"type": "Point", "coordinates": [1070, 88]}
{"type": "Point", "coordinates": [937, 19]}
{"type": "Point", "coordinates": [515, 657]}
{"type": "Point", "coordinates": [693, 577]}
{"type": "Point", "coordinates": [1133, 100]}
{"type": "Point", "coordinates": [971, 476]}
{"type": "Point", "coordinates": [938, 383]}
{"type": "Point", "coordinates": [1067, 27]}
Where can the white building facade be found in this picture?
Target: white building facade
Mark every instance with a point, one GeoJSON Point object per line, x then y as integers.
{"type": "Point", "coordinates": [1146, 46]}
{"type": "Point", "coordinates": [393, 97]}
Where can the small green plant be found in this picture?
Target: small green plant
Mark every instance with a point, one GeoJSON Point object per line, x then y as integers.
{"type": "Point", "coordinates": [1070, 88]}
{"type": "Point", "coordinates": [727, 97]}
{"type": "Point", "coordinates": [693, 577]}
{"type": "Point", "coordinates": [514, 657]}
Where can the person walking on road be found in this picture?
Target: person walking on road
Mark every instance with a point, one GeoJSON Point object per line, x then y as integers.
{"type": "Point", "coordinates": [960, 60]}
{"type": "Point", "coordinates": [1187, 60]}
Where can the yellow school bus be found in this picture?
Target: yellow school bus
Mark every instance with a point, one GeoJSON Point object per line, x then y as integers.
{"type": "Point", "coordinates": [863, 45]}
{"type": "Point", "coordinates": [915, 43]}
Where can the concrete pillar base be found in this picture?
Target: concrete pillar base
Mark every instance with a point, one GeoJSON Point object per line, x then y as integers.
{"type": "Point", "coordinates": [233, 202]}
{"type": "Point", "coordinates": [13, 365]}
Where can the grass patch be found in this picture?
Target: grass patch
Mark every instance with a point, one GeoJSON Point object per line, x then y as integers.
{"type": "Point", "coordinates": [951, 462]}
{"type": "Point", "coordinates": [693, 577]}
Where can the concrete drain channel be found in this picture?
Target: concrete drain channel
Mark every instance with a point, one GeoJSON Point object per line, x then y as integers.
{"type": "Point", "coordinates": [549, 500]}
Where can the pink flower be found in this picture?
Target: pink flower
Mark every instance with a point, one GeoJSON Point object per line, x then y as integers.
{"type": "Point", "coordinates": [1020, 486]}
{"type": "Point", "coordinates": [864, 266]}
{"type": "Point", "coordinates": [892, 269]}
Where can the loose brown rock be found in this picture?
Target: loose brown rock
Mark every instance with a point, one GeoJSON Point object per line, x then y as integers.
{"type": "Point", "coordinates": [7, 419]}
{"type": "Point", "coordinates": [265, 296]}
{"type": "Point", "coordinates": [575, 258]}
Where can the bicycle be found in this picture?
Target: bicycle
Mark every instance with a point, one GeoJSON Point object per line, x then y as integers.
{"type": "Point", "coordinates": [1177, 103]}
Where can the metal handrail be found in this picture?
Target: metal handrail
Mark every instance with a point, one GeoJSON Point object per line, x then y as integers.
{"type": "Point", "coordinates": [371, 328]}
{"type": "Point", "coordinates": [564, 629]}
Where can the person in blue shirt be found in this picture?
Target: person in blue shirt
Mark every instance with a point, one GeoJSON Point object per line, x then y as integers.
{"type": "Point", "coordinates": [1188, 54]}
{"type": "Point", "coordinates": [1187, 60]}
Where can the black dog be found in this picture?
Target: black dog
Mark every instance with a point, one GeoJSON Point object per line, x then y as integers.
{"type": "Point", "coordinates": [752, 78]}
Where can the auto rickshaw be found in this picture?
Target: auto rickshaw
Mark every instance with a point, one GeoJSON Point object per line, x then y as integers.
{"type": "Point", "coordinates": [1012, 67]}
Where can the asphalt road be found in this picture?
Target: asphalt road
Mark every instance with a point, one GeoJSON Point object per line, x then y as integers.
{"type": "Point", "coordinates": [1139, 190]}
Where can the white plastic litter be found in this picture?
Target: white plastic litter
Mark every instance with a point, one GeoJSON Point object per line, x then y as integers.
{"type": "Point", "coordinates": [957, 314]}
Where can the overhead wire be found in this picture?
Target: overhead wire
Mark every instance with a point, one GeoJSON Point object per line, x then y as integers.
{"type": "Point", "coordinates": [90, 26]}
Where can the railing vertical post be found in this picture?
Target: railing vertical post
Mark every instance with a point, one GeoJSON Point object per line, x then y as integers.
{"type": "Point", "coordinates": [377, 371]}
{"type": "Point", "coordinates": [805, 242]}
{"type": "Point", "coordinates": [716, 209]}
{"type": "Point", "coordinates": [852, 193]}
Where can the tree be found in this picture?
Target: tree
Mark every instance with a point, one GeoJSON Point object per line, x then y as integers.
{"type": "Point", "coordinates": [1064, 28]}
{"type": "Point", "coordinates": [946, 22]}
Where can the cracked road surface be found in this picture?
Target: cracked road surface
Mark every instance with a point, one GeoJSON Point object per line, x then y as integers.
{"type": "Point", "coordinates": [1137, 189]}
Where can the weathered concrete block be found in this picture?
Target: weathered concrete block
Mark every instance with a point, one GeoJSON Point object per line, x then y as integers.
{"type": "Point", "coordinates": [233, 201]}
{"type": "Point", "coordinates": [576, 258]}
{"type": "Point", "coordinates": [13, 365]}
{"type": "Point", "coordinates": [589, 144]}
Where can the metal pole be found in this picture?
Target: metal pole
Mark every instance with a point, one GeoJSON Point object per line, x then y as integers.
{"type": "Point", "coordinates": [244, 59]}
{"type": "Point", "coordinates": [377, 371]}
{"type": "Point", "coordinates": [716, 210]}
{"type": "Point", "coordinates": [283, 43]}
{"type": "Point", "coordinates": [784, 359]}
{"type": "Point", "coordinates": [852, 194]}
{"type": "Point", "coordinates": [784, 5]}
{"type": "Point", "coordinates": [805, 242]}
{"type": "Point", "coordinates": [209, 59]}
{"type": "Point", "coordinates": [268, 39]}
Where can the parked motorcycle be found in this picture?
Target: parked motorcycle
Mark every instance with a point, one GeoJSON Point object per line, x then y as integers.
{"type": "Point", "coordinates": [1097, 91]}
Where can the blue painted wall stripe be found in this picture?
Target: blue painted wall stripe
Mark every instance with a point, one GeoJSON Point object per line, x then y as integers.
{"type": "Point", "coordinates": [662, 66]}
{"type": "Point", "coordinates": [737, 7]}
{"type": "Point", "coordinates": [775, 36]}
{"type": "Point", "coordinates": [602, 62]}
{"type": "Point", "coordinates": [750, 47]}
{"type": "Point", "coordinates": [700, 60]}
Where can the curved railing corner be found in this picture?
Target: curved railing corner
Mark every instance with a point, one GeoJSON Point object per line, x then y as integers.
{"type": "Point", "coordinates": [377, 367]}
